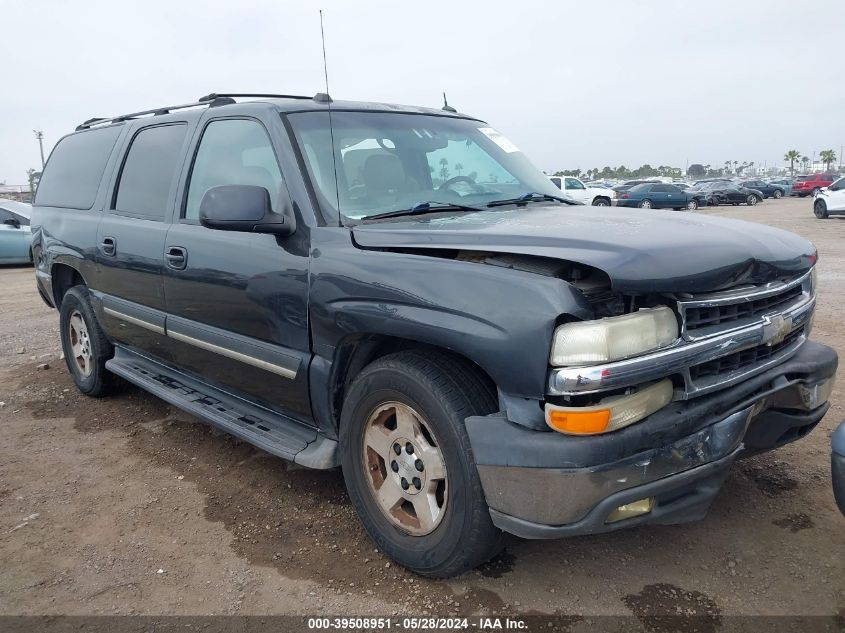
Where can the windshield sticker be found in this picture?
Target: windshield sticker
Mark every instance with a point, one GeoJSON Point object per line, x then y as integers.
{"type": "Point", "coordinates": [499, 139]}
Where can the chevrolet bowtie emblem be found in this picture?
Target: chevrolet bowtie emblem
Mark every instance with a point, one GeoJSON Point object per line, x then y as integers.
{"type": "Point", "coordinates": [775, 328]}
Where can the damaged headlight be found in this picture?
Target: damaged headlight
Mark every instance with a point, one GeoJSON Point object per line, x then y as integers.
{"type": "Point", "coordinates": [613, 338]}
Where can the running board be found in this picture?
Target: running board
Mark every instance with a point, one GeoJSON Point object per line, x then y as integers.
{"type": "Point", "coordinates": [270, 431]}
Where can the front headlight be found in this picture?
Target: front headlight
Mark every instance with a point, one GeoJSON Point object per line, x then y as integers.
{"type": "Point", "coordinates": [613, 338]}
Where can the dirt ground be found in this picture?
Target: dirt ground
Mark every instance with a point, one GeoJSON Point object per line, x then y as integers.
{"type": "Point", "coordinates": [126, 505]}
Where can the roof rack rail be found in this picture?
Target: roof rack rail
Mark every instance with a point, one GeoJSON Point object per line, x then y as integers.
{"type": "Point", "coordinates": [210, 100]}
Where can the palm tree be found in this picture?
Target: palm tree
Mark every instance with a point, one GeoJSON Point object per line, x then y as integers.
{"type": "Point", "coordinates": [459, 168]}
{"type": "Point", "coordinates": [805, 160]}
{"type": "Point", "coordinates": [827, 156]}
{"type": "Point", "coordinates": [792, 155]}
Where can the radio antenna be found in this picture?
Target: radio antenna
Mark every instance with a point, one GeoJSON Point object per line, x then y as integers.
{"type": "Point", "coordinates": [331, 127]}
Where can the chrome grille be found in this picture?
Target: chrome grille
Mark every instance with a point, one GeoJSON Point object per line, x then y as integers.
{"type": "Point", "coordinates": [742, 359]}
{"type": "Point", "coordinates": [710, 314]}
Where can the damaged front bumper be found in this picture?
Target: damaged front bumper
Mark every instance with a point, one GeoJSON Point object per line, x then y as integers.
{"type": "Point", "coordinates": [548, 485]}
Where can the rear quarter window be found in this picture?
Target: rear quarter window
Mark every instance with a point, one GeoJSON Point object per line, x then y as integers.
{"type": "Point", "coordinates": [75, 168]}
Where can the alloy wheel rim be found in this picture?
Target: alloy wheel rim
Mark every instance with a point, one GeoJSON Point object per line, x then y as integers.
{"type": "Point", "coordinates": [752, 200]}
{"type": "Point", "coordinates": [405, 469]}
{"type": "Point", "coordinates": [646, 204]}
{"type": "Point", "coordinates": [691, 205]}
{"type": "Point", "coordinates": [80, 343]}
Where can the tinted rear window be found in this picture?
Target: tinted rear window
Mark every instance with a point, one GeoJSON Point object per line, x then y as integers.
{"type": "Point", "coordinates": [149, 171]}
{"type": "Point", "coordinates": [73, 173]}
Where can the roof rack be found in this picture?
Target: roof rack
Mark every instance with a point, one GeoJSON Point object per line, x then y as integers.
{"type": "Point", "coordinates": [210, 100]}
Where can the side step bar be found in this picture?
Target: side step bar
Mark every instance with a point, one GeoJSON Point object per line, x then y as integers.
{"type": "Point", "coordinates": [270, 431]}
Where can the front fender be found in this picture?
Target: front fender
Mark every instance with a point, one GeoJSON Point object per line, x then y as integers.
{"type": "Point", "coordinates": [499, 318]}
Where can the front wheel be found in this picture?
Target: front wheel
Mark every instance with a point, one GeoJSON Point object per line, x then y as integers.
{"type": "Point", "coordinates": [645, 204]}
{"type": "Point", "coordinates": [601, 202]}
{"type": "Point", "coordinates": [408, 463]}
{"type": "Point", "coordinates": [751, 200]}
{"type": "Point", "coordinates": [85, 345]}
{"type": "Point", "coordinates": [692, 205]}
{"type": "Point", "coordinates": [778, 194]}
{"type": "Point", "coordinates": [820, 209]}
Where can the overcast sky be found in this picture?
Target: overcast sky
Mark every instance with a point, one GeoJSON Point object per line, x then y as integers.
{"type": "Point", "coordinates": [574, 83]}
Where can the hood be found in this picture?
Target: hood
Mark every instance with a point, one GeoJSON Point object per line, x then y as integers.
{"type": "Point", "coordinates": [641, 251]}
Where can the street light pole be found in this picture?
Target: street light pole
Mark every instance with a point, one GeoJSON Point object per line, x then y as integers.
{"type": "Point", "coordinates": [40, 136]}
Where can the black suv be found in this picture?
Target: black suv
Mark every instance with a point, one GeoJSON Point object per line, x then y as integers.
{"type": "Point", "coordinates": [399, 292]}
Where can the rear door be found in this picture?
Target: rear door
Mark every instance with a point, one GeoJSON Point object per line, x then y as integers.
{"type": "Point", "coordinates": [237, 302]}
{"type": "Point", "coordinates": [130, 237]}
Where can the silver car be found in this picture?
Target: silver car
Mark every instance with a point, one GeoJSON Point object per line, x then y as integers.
{"type": "Point", "coordinates": [15, 234]}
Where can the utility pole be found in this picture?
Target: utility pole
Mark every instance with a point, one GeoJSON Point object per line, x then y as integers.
{"type": "Point", "coordinates": [40, 136]}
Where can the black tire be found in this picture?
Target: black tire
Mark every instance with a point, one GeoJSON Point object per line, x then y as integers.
{"type": "Point", "coordinates": [601, 202]}
{"type": "Point", "coordinates": [444, 390]}
{"type": "Point", "coordinates": [751, 200]}
{"type": "Point", "coordinates": [646, 204]}
{"type": "Point", "coordinates": [778, 194]}
{"type": "Point", "coordinates": [99, 382]}
{"type": "Point", "coordinates": [820, 209]}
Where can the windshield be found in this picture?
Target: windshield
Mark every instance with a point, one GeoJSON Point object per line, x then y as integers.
{"type": "Point", "coordinates": [391, 162]}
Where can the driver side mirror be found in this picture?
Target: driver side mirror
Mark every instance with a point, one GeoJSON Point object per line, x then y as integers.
{"type": "Point", "coordinates": [13, 222]}
{"type": "Point", "coordinates": [244, 208]}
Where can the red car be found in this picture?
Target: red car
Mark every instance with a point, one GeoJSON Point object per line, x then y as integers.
{"type": "Point", "coordinates": [806, 185]}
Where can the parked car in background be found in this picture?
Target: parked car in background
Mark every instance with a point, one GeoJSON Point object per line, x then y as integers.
{"type": "Point", "coordinates": [830, 200]}
{"type": "Point", "coordinates": [15, 235]}
{"type": "Point", "coordinates": [768, 189]}
{"type": "Point", "coordinates": [812, 183]}
{"type": "Point", "coordinates": [577, 190]}
{"type": "Point", "coordinates": [783, 183]}
{"type": "Point", "coordinates": [727, 192]}
{"type": "Point", "coordinates": [659, 196]}
{"type": "Point", "coordinates": [837, 465]}
{"type": "Point", "coordinates": [625, 186]}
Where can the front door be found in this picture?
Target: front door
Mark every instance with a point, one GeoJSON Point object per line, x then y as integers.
{"type": "Point", "coordinates": [575, 189]}
{"type": "Point", "coordinates": [836, 196]}
{"type": "Point", "coordinates": [237, 302]}
{"type": "Point", "coordinates": [14, 237]}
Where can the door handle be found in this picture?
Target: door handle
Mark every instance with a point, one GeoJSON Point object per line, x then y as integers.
{"type": "Point", "coordinates": [177, 257]}
{"type": "Point", "coordinates": [109, 246]}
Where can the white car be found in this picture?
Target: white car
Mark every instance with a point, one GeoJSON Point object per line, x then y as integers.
{"type": "Point", "coordinates": [15, 235]}
{"type": "Point", "coordinates": [577, 190]}
{"type": "Point", "coordinates": [830, 200]}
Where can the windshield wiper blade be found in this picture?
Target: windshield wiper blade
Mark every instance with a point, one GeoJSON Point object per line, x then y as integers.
{"type": "Point", "coordinates": [432, 206]}
{"type": "Point", "coordinates": [531, 197]}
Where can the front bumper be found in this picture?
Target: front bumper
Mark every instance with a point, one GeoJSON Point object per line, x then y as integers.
{"type": "Point", "coordinates": [548, 485]}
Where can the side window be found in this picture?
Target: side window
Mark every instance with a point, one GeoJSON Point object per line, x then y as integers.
{"type": "Point", "coordinates": [5, 215]}
{"type": "Point", "coordinates": [673, 189]}
{"type": "Point", "coordinates": [149, 171]}
{"type": "Point", "coordinates": [573, 183]}
{"type": "Point", "coordinates": [232, 152]}
{"type": "Point", "coordinates": [660, 189]}
{"type": "Point", "coordinates": [73, 172]}
{"type": "Point", "coordinates": [838, 185]}
{"type": "Point", "coordinates": [556, 182]}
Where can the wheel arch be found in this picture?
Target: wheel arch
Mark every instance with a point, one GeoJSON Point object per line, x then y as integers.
{"type": "Point", "coordinates": [63, 278]}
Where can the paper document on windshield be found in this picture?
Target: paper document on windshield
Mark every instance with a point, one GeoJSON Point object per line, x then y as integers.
{"type": "Point", "coordinates": [499, 139]}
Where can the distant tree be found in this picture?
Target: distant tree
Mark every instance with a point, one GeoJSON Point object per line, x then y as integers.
{"type": "Point", "coordinates": [459, 168]}
{"type": "Point", "coordinates": [493, 177]}
{"type": "Point", "coordinates": [696, 170]}
{"type": "Point", "coordinates": [34, 177]}
{"type": "Point", "coordinates": [828, 157]}
{"type": "Point", "coordinates": [444, 169]}
{"type": "Point", "coordinates": [805, 161]}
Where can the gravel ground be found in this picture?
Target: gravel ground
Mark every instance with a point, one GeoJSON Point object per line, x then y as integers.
{"type": "Point", "coordinates": [126, 505]}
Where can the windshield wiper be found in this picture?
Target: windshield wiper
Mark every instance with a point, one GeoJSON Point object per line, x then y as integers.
{"type": "Point", "coordinates": [432, 206]}
{"type": "Point", "coordinates": [531, 197]}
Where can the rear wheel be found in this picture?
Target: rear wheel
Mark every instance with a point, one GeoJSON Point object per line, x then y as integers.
{"type": "Point", "coordinates": [85, 345]}
{"type": "Point", "coordinates": [408, 463]}
{"type": "Point", "coordinates": [820, 209]}
{"type": "Point", "coordinates": [645, 204]}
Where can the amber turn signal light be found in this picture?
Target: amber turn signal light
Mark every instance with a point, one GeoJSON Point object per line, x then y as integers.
{"type": "Point", "coordinates": [579, 421]}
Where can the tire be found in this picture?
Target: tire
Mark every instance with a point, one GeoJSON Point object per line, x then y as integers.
{"type": "Point", "coordinates": [85, 345]}
{"type": "Point", "coordinates": [435, 392]}
{"type": "Point", "coordinates": [778, 194]}
{"type": "Point", "coordinates": [645, 204]}
{"type": "Point", "coordinates": [601, 202]}
{"type": "Point", "coordinates": [751, 200]}
{"type": "Point", "coordinates": [820, 209]}
{"type": "Point", "coordinates": [692, 205]}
